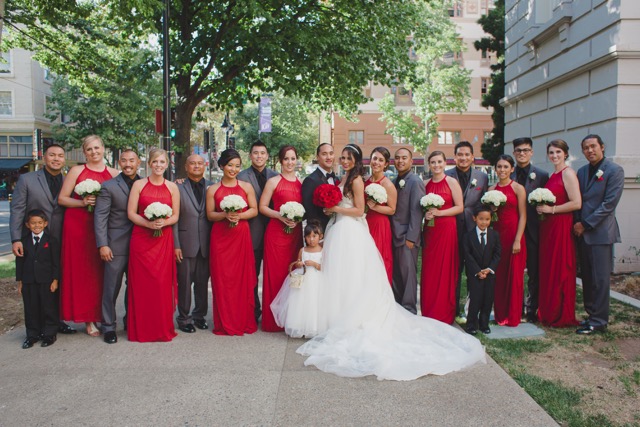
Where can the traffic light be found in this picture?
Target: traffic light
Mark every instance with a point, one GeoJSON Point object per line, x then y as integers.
{"type": "Point", "coordinates": [172, 133]}
{"type": "Point", "coordinates": [205, 140]}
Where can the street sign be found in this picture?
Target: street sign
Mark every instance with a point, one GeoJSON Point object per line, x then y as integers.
{"type": "Point", "coordinates": [265, 114]}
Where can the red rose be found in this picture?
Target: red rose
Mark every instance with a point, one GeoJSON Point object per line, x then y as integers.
{"type": "Point", "coordinates": [327, 196]}
{"type": "Point", "coordinates": [46, 245]}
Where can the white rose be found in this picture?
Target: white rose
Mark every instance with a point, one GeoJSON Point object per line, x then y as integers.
{"type": "Point", "coordinates": [474, 182]}
{"type": "Point", "coordinates": [401, 183]}
{"type": "Point", "coordinates": [532, 175]}
{"type": "Point", "coordinates": [599, 173]}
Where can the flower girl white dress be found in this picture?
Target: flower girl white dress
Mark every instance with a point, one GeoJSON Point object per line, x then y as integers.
{"type": "Point", "coordinates": [296, 309]}
{"type": "Point", "coordinates": [366, 332]}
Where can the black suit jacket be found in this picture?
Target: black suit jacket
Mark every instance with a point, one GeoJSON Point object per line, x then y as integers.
{"type": "Point", "coordinates": [41, 266]}
{"type": "Point", "coordinates": [475, 259]}
{"type": "Point", "coordinates": [539, 180]}
{"type": "Point", "coordinates": [309, 185]}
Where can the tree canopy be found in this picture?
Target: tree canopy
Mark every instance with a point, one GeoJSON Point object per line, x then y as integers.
{"type": "Point", "coordinates": [438, 83]}
{"type": "Point", "coordinates": [224, 53]}
{"type": "Point", "coordinates": [493, 24]}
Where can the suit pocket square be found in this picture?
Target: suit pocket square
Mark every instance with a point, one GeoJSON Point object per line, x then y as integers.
{"type": "Point", "coordinates": [478, 189]}
{"type": "Point", "coordinates": [46, 245]}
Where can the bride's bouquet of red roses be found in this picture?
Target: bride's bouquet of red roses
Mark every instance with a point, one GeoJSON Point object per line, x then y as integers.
{"type": "Point", "coordinates": [327, 196]}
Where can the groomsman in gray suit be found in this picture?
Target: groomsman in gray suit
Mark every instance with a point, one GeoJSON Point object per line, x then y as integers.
{"type": "Point", "coordinates": [530, 177]}
{"type": "Point", "coordinates": [474, 184]}
{"type": "Point", "coordinates": [257, 175]}
{"type": "Point", "coordinates": [113, 233]}
{"type": "Point", "coordinates": [406, 230]}
{"type": "Point", "coordinates": [191, 236]}
{"type": "Point", "coordinates": [39, 191]}
{"type": "Point", "coordinates": [601, 184]}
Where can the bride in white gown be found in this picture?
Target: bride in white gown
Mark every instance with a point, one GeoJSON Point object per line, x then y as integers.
{"type": "Point", "coordinates": [367, 333]}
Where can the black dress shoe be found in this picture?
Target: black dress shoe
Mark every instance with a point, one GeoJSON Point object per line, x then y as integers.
{"type": "Point", "coordinates": [584, 322]}
{"type": "Point", "coordinates": [590, 330]}
{"type": "Point", "coordinates": [200, 324]}
{"type": "Point", "coordinates": [110, 337]}
{"type": "Point", "coordinates": [187, 328]}
{"type": "Point", "coordinates": [29, 342]}
{"type": "Point", "coordinates": [532, 318]}
{"type": "Point", "coordinates": [471, 331]}
{"type": "Point", "coordinates": [48, 341]}
{"type": "Point", "coordinates": [486, 330]}
{"type": "Point", "coordinates": [63, 328]}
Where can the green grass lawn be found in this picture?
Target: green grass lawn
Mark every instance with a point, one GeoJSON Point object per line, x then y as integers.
{"type": "Point", "coordinates": [7, 270]}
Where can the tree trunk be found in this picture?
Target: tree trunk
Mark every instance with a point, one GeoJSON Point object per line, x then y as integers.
{"type": "Point", "coordinates": [181, 144]}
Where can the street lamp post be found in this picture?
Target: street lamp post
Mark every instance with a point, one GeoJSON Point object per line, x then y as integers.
{"type": "Point", "coordinates": [166, 116]}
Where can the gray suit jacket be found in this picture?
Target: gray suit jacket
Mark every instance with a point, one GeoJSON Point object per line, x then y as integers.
{"type": "Point", "coordinates": [110, 220]}
{"type": "Point", "coordinates": [32, 192]}
{"type": "Point", "coordinates": [192, 232]}
{"type": "Point", "coordinates": [257, 224]}
{"type": "Point", "coordinates": [406, 223]}
{"type": "Point", "coordinates": [599, 200]}
{"type": "Point", "coordinates": [532, 231]}
{"type": "Point", "coordinates": [472, 195]}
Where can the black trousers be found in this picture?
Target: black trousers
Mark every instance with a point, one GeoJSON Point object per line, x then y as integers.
{"type": "Point", "coordinates": [41, 316]}
{"type": "Point", "coordinates": [481, 295]}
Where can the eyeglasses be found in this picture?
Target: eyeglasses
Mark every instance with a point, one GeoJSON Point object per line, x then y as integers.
{"type": "Point", "coordinates": [522, 150]}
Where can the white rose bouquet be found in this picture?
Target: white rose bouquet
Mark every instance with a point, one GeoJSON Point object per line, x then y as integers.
{"type": "Point", "coordinates": [377, 193]}
{"type": "Point", "coordinates": [430, 201]}
{"type": "Point", "coordinates": [494, 199]}
{"type": "Point", "coordinates": [293, 211]}
{"type": "Point", "coordinates": [88, 187]}
{"type": "Point", "coordinates": [541, 196]}
{"type": "Point", "coordinates": [157, 210]}
{"type": "Point", "coordinates": [232, 203]}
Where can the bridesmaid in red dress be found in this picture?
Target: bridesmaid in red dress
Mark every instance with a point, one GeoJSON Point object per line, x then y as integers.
{"type": "Point", "coordinates": [152, 265]}
{"type": "Point", "coordinates": [233, 271]}
{"type": "Point", "coordinates": [557, 248]}
{"type": "Point", "coordinates": [280, 248]}
{"type": "Point", "coordinates": [378, 214]}
{"type": "Point", "coordinates": [82, 268]}
{"type": "Point", "coordinates": [440, 255]}
{"type": "Point", "coordinates": [512, 218]}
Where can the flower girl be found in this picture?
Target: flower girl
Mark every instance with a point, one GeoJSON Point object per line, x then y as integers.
{"type": "Point", "coordinates": [296, 308]}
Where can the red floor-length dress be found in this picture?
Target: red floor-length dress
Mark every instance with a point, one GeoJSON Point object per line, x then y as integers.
{"type": "Point", "coordinates": [152, 275]}
{"type": "Point", "coordinates": [380, 229]}
{"type": "Point", "coordinates": [82, 268]}
{"type": "Point", "coordinates": [509, 290]}
{"type": "Point", "coordinates": [440, 261]}
{"type": "Point", "coordinates": [280, 249]}
{"type": "Point", "coordinates": [233, 272]}
{"type": "Point", "coordinates": [557, 306]}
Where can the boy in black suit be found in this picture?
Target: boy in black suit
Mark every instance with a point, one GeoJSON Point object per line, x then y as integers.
{"type": "Point", "coordinates": [481, 257]}
{"type": "Point", "coordinates": [37, 273]}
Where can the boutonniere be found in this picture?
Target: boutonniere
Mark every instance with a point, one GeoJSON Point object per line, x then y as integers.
{"type": "Point", "coordinates": [532, 176]}
{"type": "Point", "coordinates": [401, 183]}
{"type": "Point", "coordinates": [474, 182]}
{"type": "Point", "coordinates": [599, 174]}
{"type": "Point", "coordinates": [46, 245]}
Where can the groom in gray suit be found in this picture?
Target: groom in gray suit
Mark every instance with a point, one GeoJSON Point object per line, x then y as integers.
{"type": "Point", "coordinates": [257, 175]}
{"type": "Point", "coordinates": [191, 236]}
{"type": "Point", "coordinates": [531, 178]}
{"type": "Point", "coordinates": [474, 184]}
{"type": "Point", "coordinates": [601, 183]}
{"type": "Point", "coordinates": [406, 230]}
{"type": "Point", "coordinates": [113, 233]}
{"type": "Point", "coordinates": [39, 191]}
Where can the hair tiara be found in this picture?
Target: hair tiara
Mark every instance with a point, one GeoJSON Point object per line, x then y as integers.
{"type": "Point", "coordinates": [352, 148]}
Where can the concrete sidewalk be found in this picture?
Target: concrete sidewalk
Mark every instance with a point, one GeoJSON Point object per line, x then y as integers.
{"type": "Point", "coordinates": [257, 380]}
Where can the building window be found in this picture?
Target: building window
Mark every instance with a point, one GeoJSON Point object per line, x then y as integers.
{"type": "Point", "coordinates": [485, 6]}
{"type": "Point", "coordinates": [20, 145]}
{"type": "Point", "coordinates": [48, 75]}
{"type": "Point", "coordinates": [448, 137]}
{"type": "Point", "coordinates": [485, 82]}
{"type": "Point", "coordinates": [356, 137]}
{"type": "Point", "coordinates": [6, 104]}
{"type": "Point", "coordinates": [456, 10]}
{"type": "Point", "coordinates": [5, 63]}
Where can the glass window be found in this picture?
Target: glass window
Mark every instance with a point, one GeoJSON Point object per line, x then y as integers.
{"type": "Point", "coordinates": [22, 138]}
{"type": "Point", "coordinates": [356, 137]}
{"type": "Point", "coordinates": [5, 63]}
{"type": "Point", "coordinates": [484, 85]}
{"type": "Point", "coordinates": [6, 103]}
{"type": "Point", "coordinates": [448, 137]}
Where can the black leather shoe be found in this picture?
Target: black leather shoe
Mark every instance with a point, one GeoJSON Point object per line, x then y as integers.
{"type": "Point", "coordinates": [63, 328]}
{"type": "Point", "coordinates": [584, 322]}
{"type": "Point", "coordinates": [188, 328]}
{"type": "Point", "coordinates": [200, 324]}
{"type": "Point", "coordinates": [471, 331]}
{"type": "Point", "coordinates": [590, 330]}
{"type": "Point", "coordinates": [532, 318]}
{"type": "Point", "coordinates": [110, 337]}
{"type": "Point", "coordinates": [48, 341]}
{"type": "Point", "coordinates": [486, 330]}
{"type": "Point", "coordinates": [29, 342]}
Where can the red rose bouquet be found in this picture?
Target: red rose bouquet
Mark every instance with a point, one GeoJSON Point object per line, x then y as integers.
{"type": "Point", "coordinates": [327, 196]}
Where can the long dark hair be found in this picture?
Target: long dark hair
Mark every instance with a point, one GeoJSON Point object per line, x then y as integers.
{"type": "Point", "coordinates": [358, 168]}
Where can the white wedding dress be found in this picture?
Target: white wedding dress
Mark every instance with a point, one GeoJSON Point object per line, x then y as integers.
{"type": "Point", "coordinates": [366, 332]}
